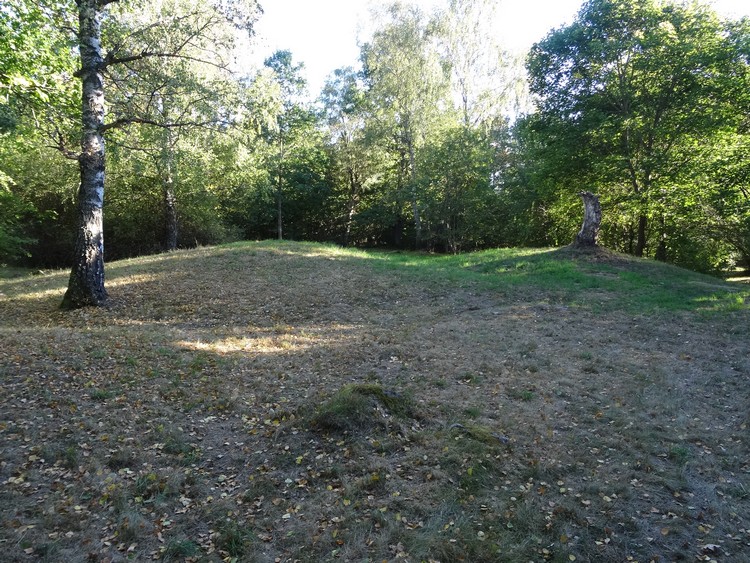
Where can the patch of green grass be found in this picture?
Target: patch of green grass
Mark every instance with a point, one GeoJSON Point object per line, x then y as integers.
{"type": "Point", "coordinates": [101, 395]}
{"type": "Point", "coordinates": [521, 394]}
{"type": "Point", "coordinates": [65, 455]}
{"type": "Point", "coordinates": [478, 433]}
{"type": "Point", "coordinates": [597, 280]}
{"type": "Point", "coordinates": [451, 535]}
{"type": "Point", "coordinates": [179, 549]}
{"type": "Point", "coordinates": [627, 283]}
{"type": "Point", "coordinates": [233, 538]}
{"type": "Point", "coordinates": [175, 444]}
{"type": "Point", "coordinates": [470, 378]}
{"type": "Point", "coordinates": [473, 412]}
{"type": "Point", "coordinates": [11, 272]}
{"type": "Point", "coordinates": [359, 406]}
{"type": "Point", "coordinates": [679, 454]}
{"type": "Point", "coordinates": [148, 485]}
{"type": "Point", "coordinates": [199, 362]}
{"type": "Point", "coordinates": [99, 353]}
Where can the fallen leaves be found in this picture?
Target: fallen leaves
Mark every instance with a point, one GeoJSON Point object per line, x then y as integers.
{"type": "Point", "coordinates": [185, 422]}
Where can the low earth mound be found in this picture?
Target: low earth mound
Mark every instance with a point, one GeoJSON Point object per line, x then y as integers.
{"type": "Point", "coordinates": [295, 402]}
{"type": "Point", "coordinates": [358, 407]}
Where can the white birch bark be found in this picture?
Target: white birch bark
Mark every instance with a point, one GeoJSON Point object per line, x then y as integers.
{"type": "Point", "coordinates": [86, 285]}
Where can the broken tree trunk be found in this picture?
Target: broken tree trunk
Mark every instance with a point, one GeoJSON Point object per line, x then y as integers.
{"type": "Point", "coordinates": [592, 218]}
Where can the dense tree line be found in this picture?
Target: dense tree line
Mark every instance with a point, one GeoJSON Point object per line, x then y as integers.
{"type": "Point", "coordinates": [645, 102]}
{"type": "Point", "coordinates": [439, 141]}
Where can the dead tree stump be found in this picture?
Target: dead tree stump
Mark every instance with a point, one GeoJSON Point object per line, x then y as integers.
{"type": "Point", "coordinates": [592, 218]}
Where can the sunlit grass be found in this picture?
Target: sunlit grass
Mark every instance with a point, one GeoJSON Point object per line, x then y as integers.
{"type": "Point", "coordinates": [624, 283]}
{"type": "Point", "coordinates": [272, 341]}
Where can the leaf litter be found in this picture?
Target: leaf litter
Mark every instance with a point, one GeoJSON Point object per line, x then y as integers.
{"type": "Point", "coordinates": [291, 402]}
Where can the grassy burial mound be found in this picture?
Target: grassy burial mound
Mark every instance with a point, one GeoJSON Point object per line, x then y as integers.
{"type": "Point", "coordinates": [297, 402]}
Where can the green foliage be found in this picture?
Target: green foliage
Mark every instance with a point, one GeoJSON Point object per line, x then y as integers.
{"type": "Point", "coordinates": [355, 158]}
{"type": "Point", "coordinates": [629, 94]}
{"type": "Point", "coordinates": [13, 211]}
{"type": "Point", "coordinates": [640, 101]}
{"type": "Point", "coordinates": [407, 87]}
{"type": "Point", "coordinates": [36, 95]}
{"type": "Point", "coordinates": [36, 62]}
{"type": "Point", "coordinates": [459, 198]}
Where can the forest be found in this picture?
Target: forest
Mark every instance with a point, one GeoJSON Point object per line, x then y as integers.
{"type": "Point", "coordinates": [440, 140]}
{"type": "Point", "coordinates": [353, 324]}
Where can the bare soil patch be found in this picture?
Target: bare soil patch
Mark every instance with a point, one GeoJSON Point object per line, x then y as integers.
{"type": "Point", "coordinates": [183, 421]}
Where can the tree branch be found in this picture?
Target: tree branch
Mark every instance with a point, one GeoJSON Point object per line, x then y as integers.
{"type": "Point", "coordinates": [125, 121]}
{"type": "Point", "coordinates": [60, 145]}
{"type": "Point", "coordinates": [108, 61]}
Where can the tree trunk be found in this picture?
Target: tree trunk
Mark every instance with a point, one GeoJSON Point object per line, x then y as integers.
{"type": "Point", "coordinates": [170, 200]}
{"type": "Point", "coordinates": [86, 284]}
{"type": "Point", "coordinates": [354, 189]}
{"type": "Point", "coordinates": [167, 172]}
{"type": "Point", "coordinates": [592, 218]}
{"type": "Point", "coordinates": [661, 248]}
{"type": "Point", "coordinates": [640, 245]}
{"type": "Point", "coordinates": [414, 200]}
{"type": "Point", "coordinates": [170, 214]}
{"type": "Point", "coordinates": [279, 193]}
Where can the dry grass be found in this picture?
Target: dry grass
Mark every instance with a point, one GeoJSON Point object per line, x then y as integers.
{"type": "Point", "coordinates": [183, 422]}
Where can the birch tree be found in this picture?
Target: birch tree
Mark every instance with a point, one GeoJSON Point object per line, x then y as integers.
{"type": "Point", "coordinates": [188, 30]}
{"type": "Point", "coordinates": [407, 87]}
{"type": "Point", "coordinates": [356, 158]}
{"type": "Point", "coordinates": [486, 79]}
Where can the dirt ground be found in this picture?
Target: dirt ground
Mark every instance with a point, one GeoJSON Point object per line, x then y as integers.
{"type": "Point", "coordinates": [177, 423]}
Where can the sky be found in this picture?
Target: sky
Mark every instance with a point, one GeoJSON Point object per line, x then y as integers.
{"type": "Point", "coordinates": [325, 34]}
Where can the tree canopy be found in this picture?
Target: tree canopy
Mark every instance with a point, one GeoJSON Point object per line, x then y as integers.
{"type": "Point", "coordinates": [634, 99]}
{"type": "Point", "coordinates": [440, 140]}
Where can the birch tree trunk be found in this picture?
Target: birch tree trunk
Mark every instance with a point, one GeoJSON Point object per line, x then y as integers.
{"type": "Point", "coordinates": [414, 197]}
{"type": "Point", "coordinates": [86, 284]}
{"type": "Point", "coordinates": [354, 189]}
{"type": "Point", "coordinates": [170, 199]}
{"type": "Point", "coordinates": [279, 194]}
{"type": "Point", "coordinates": [170, 214]}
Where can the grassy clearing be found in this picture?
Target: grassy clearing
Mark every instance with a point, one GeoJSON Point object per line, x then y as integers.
{"type": "Point", "coordinates": [298, 402]}
{"type": "Point", "coordinates": [598, 279]}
